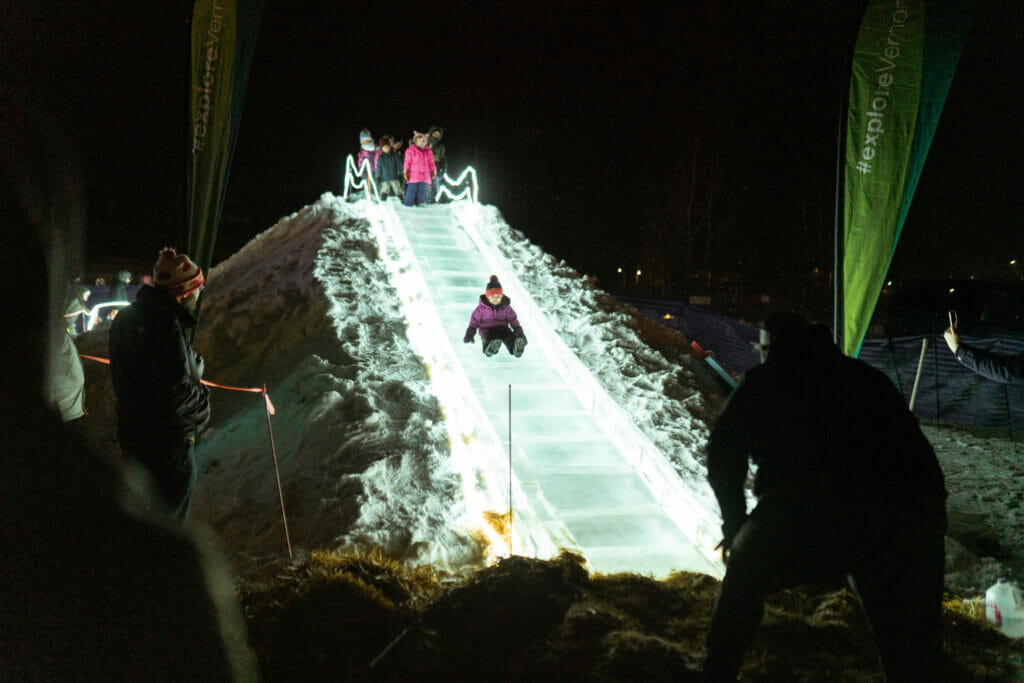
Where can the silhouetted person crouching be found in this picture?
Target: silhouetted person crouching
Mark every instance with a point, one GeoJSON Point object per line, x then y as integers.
{"type": "Point", "coordinates": [846, 484]}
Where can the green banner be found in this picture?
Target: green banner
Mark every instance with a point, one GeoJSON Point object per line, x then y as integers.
{"type": "Point", "coordinates": [903, 64]}
{"type": "Point", "coordinates": [223, 41]}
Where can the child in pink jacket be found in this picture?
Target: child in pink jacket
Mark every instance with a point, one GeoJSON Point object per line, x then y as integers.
{"type": "Point", "coordinates": [419, 170]}
{"type": "Point", "coordinates": [496, 321]}
{"type": "Point", "coordinates": [368, 154]}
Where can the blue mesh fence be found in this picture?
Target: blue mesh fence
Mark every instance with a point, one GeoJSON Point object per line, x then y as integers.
{"type": "Point", "coordinates": [947, 392]}
{"type": "Point", "coordinates": [730, 341]}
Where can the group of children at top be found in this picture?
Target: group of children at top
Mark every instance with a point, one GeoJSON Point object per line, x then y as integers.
{"type": "Point", "coordinates": [414, 174]}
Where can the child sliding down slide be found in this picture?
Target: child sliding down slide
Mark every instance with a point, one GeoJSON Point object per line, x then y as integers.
{"type": "Point", "coordinates": [496, 322]}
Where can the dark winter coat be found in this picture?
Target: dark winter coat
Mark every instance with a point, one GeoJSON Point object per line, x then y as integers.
{"type": "Point", "coordinates": [993, 366]}
{"type": "Point", "coordinates": [817, 423]}
{"type": "Point", "coordinates": [389, 167]}
{"type": "Point", "coordinates": [76, 300]}
{"type": "Point", "coordinates": [118, 291]}
{"type": "Point", "coordinates": [486, 316]}
{"type": "Point", "coordinates": [155, 372]}
{"type": "Point", "coordinates": [440, 153]}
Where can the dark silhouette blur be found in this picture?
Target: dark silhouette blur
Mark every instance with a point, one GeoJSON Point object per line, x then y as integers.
{"type": "Point", "coordinates": [97, 581]}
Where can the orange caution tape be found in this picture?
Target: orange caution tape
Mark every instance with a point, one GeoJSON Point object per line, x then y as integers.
{"type": "Point", "coordinates": [254, 390]}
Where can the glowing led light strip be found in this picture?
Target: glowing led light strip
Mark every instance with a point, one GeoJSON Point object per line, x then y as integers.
{"type": "Point", "coordinates": [471, 191]}
{"type": "Point", "coordinates": [355, 180]}
{"type": "Point", "coordinates": [94, 312]}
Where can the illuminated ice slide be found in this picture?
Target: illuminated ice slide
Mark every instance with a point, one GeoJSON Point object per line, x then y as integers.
{"type": "Point", "coordinates": [579, 474]}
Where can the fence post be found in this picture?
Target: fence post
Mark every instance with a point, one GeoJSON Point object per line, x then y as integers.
{"type": "Point", "coordinates": [917, 377]}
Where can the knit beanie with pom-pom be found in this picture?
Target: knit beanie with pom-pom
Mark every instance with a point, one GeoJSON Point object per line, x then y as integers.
{"type": "Point", "coordinates": [493, 286]}
{"type": "Point", "coordinates": [177, 273]}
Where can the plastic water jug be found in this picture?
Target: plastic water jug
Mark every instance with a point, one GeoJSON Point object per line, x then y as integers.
{"type": "Point", "coordinates": [1004, 608]}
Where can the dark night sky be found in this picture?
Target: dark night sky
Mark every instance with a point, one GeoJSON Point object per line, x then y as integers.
{"type": "Point", "coordinates": [570, 113]}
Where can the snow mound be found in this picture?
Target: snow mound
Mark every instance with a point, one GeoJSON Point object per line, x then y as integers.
{"type": "Point", "coordinates": [306, 307]}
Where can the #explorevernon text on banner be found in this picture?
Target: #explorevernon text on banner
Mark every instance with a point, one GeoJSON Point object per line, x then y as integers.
{"type": "Point", "coordinates": [223, 41]}
{"type": "Point", "coordinates": [903, 63]}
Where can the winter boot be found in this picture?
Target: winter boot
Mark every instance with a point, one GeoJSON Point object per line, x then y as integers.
{"type": "Point", "coordinates": [492, 347]}
{"type": "Point", "coordinates": [517, 348]}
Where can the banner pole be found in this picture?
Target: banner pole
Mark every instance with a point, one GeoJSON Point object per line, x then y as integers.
{"type": "Point", "coordinates": [186, 129]}
{"type": "Point", "coordinates": [838, 317]}
{"type": "Point", "coordinates": [917, 377]}
{"type": "Point", "coordinates": [838, 236]}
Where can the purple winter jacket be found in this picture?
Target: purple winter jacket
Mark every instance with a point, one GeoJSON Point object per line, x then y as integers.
{"type": "Point", "coordinates": [372, 157]}
{"type": "Point", "coordinates": [419, 164]}
{"type": "Point", "coordinates": [487, 316]}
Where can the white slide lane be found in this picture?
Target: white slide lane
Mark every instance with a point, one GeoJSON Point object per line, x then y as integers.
{"type": "Point", "coordinates": [582, 476]}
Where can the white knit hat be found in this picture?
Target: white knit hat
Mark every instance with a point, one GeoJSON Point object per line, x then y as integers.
{"type": "Point", "coordinates": [177, 273]}
{"type": "Point", "coordinates": [364, 134]}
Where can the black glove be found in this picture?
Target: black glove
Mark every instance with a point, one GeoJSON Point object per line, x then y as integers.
{"type": "Point", "coordinates": [470, 335]}
{"type": "Point", "coordinates": [518, 331]}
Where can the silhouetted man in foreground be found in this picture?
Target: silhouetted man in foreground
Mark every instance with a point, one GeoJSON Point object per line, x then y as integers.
{"type": "Point", "coordinates": [846, 484]}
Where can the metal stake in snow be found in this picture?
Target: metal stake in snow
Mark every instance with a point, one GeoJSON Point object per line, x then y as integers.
{"type": "Point", "coordinates": [273, 449]}
{"type": "Point", "coordinates": [510, 470]}
{"type": "Point", "coordinates": [917, 378]}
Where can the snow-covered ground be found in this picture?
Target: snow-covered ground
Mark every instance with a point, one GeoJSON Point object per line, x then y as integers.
{"type": "Point", "coordinates": [365, 457]}
{"type": "Point", "coordinates": [985, 480]}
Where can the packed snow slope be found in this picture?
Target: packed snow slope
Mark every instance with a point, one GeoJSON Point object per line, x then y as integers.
{"type": "Point", "coordinates": [370, 442]}
{"type": "Point", "coordinates": [391, 433]}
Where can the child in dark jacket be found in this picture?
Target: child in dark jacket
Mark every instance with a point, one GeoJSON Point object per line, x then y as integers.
{"type": "Point", "coordinates": [496, 321]}
{"type": "Point", "coordinates": [389, 171]}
